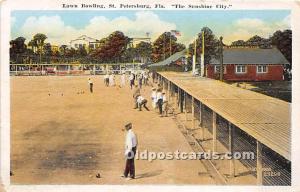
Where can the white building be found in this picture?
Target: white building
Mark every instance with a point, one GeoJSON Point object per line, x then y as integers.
{"type": "Point", "coordinates": [84, 41]}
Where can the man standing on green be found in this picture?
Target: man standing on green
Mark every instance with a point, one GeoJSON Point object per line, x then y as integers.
{"type": "Point", "coordinates": [130, 151]}
{"type": "Point", "coordinates": [90, 82]}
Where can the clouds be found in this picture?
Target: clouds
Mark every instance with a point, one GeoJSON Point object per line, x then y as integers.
{"type": "Point", "coordinates": [144, 22]}
{"type": "Point", "coordinates": [245, 28]}
{"type": "Point", "coordinates": [58, 32]}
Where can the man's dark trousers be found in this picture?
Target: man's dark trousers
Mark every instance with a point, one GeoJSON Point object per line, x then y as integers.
{"type": "Point", "coordinates": [91, 87]}
{"type": "Point", "coordinates": [129, 168]}
{"type": "Point", "coordinates": [160, 103]}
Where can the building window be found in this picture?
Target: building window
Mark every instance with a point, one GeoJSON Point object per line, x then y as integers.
{"type": "Point", "coordinates": [217, 69]}
{"type": "Point", "coordinates": [261, 69]}
{"type": "Point", "coordinates": [240, 69]}
{"type": "Point", "coordinates": [76, 45]}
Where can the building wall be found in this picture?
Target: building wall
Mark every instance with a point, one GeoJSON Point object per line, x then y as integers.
{"type": "Point", "coordinates": [274, 72]}
{"type": "Point", "coordinates": [76, 43]}
{"type": "Point", "coordinates": [54, 48]}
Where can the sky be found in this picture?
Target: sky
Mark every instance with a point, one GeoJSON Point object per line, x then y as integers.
{"type": "Point", "coordinates": [62, 26]}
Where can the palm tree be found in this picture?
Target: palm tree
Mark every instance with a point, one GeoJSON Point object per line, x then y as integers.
{"type": "Point", "coordinates": [62, 49]}
{"type": "Point", "coordinates": [32, 44]}
{"type": "Point", "coordinates": [40, 38]}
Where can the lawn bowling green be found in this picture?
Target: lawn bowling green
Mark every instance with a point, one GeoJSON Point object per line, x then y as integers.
{"type": "Point", "coordinates": [62, 134]}
{"type": "Point", "coordinates": [70, 138]}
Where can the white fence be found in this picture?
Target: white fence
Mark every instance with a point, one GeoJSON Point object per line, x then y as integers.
{"type": "Point", "coordinates": [72, 69]}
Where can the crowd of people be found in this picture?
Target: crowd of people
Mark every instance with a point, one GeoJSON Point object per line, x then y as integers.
{"type": "Point", "coordinates": [137, 81]}
{"type": "Point", "coordinates": [159, 100]}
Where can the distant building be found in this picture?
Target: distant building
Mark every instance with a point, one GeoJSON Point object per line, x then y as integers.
{"type": "Point", "coordinates": [249, 64]}
{"type": "Point", "coordinates": [136, 40]}
{"type": "Point", "coordinates": [54, 48]}
{"type": "Point", "coordinates": [84, 42]}
{"type": "Point", "coordinates": [94, 45]}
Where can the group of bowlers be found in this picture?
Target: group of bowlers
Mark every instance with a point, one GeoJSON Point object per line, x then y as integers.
{"type": "Point", "coordinates": [159, 101]}
{"type": "Point", "coordinates": [142, 78]}
{"type": "Point", "coordinates": [158, 97]}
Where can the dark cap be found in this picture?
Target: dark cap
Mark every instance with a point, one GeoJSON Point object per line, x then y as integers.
{"type": "Point", "coordinates": [128, 125]}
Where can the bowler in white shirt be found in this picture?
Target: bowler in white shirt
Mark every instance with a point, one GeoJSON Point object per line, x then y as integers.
{"type": "Point", "coordinates": [130, 151]}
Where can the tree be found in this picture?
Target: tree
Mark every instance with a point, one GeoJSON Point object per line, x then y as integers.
{"type": "Point", "coordinates": [70, 53]}
{"type": "Point", "coordinates": [211, 45]}
{"type": "Point", "coordinates": [62, 50]}
{"type": "Point", "coordinates": [17, 49]}
{"type": "Point", "coordinates": [47, 51]}
{"type": "Point", "coordinates": [164, 46]}
{"type": "Point", "coordinates": [254, 41]}
{"type": "Point", "coordinates": [111, 48]}
{"type": "Point", "coordinates": [32, 44]}
{"type": "Point", "coordinates": [39, 38]}
{"type": "Point", "coordinates": [238, 43]}
{"type": "Point", "coordinates": [81, 52]}
{"type": "Point", "coordinates": [129, 54]}
{"type": "Point", "coordinates": [144, 50]}
{"type": "Point", "coordinates": [283, 41]}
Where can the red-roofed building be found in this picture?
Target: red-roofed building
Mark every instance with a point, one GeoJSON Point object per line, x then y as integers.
{"type": "Point", "coordinates": [249, 64]}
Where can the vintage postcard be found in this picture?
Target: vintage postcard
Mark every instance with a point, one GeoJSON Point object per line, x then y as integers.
{"type": "Point", "coordinates": [96, 95]}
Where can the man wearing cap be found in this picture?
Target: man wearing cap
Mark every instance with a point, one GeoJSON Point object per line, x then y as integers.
{"type": "Point", "coordinates": [130, 150]}
{"type": "Point", "coordinates": [142, 102]}
{"type": "Point", "coordinates": [136, 93]}
{"type": "Point", "coordinates": [159, 97]}
{"type": "Point", "coordinates": [153, 98]}
{"type": "Point", "coordinates": [131, 79]}
{"type": "Point", "coordinates": [90, 82]}
{"type": "Point", "coordinates": [165, 105]}
{"type": "Point", "coordinates": [123, 80]}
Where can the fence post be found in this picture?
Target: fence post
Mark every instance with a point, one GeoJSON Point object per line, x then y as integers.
{"type": "Point", "coordinates": [177, 97]}
{"type": "Point", "coordinates": [185, 103]}
{"type": "Point", "coordinates": [69, 66]}
{"type": "Point", "coordinates": [214, 124]}
{"type": "Point", "coordinates": [230, 146]}
{"type": "Point", "coordinates": [201, 119]}
{"type": "Point", "coordinates": [180, 103]}
{"type": "Point", "coordinates": [259, 167]}
{"type": "Point", "coordinates": [169, 90]}
{"type": "Point", "coordinates": [193, 113]}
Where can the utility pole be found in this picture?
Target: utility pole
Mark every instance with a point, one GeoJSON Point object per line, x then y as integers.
{"type": "Point", "coordinates": [170, 44]}
{"type": "Point", "coordinates": [202, 57]}
{"type": "Point", "coordinates": [221, 58]}
{"type": "Point", "coordinates": [39, 42]}
{"type": "Point", "coordinates": [165, 46]}
{"type": "Point", "coordinates": [194, 56]}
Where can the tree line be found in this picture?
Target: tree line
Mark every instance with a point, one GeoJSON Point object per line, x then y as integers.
{"type": "Point", "coordinates": [116, 48]}
{"type": "Point", "coordinates": [280, 39]}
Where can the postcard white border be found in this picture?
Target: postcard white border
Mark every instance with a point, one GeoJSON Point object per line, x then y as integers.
{"type": "Point", "coordinates": [10, 5]}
